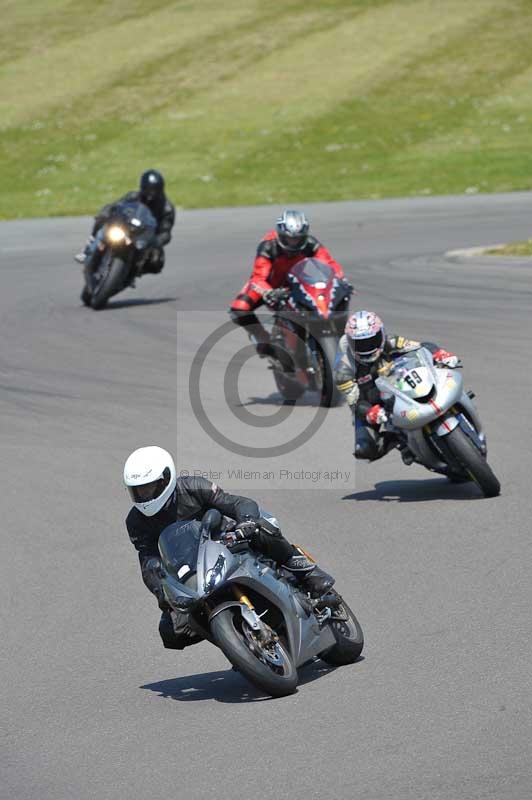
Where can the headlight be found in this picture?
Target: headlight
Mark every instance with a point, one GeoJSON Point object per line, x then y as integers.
{"type": "Point", "coordinates": [115, 234]}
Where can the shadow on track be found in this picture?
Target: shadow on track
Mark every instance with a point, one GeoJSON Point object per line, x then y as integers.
{"type": "Point", "coordinates": [228, 686]}
{"type": "Point", "coordinates": [138, 301]}
{"type": "Point", "coordinates": [417, 491]}
{"type": "Point", "coordinates": [276, 399]}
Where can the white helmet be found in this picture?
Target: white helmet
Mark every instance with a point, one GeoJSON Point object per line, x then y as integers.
{"type": "Point", "coordinates": [150, 477]}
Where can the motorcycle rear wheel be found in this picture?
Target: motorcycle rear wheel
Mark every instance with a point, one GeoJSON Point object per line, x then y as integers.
{"type": "Point", "coordinates": [349, 638]}
{"type": "Point", "coordinates": [111, 283]}
{"type": "Point", "coordinates": [228, 633]}
{"type": "Point", "coordinates": [473, 462]}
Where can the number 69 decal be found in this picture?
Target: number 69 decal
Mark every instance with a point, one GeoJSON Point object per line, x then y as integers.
{"type": "Point", "coordinates": [413, 378]}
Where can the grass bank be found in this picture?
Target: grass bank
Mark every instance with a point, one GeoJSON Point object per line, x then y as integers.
{"type": "Point", "coordinates": [251, 102]}
{"type": "Point", "coordinates": [512, 249]}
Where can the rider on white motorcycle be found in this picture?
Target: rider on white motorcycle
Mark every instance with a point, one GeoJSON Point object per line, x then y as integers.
{"type": "Point", "coordinates": [364, 353]}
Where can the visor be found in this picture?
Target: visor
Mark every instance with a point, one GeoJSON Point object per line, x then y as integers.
{"type": "Point", "coordinates": [293, 242]}
{"type": "Point", "coordinates": [369, 344]}
{"type": "Point", "coordinates": [150, 491]}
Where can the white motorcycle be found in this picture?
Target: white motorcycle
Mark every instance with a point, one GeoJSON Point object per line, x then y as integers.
{"type": "Point", "coordinates": [435, 418]}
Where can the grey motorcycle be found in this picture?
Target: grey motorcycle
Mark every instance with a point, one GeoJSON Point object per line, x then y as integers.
{"type": "Point", "coordinates": [254, 611]}
{"type": "Point", "coordinates": [435, 418]}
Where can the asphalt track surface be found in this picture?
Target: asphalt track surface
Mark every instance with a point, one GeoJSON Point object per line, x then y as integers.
{"type": "Point", "coordinates": [92, 705]}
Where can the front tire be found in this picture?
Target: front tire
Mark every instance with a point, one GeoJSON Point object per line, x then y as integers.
{"type": "Point", "coordinates": [277, 677]}
{"type": "Point", "coordinates": [329, 396]}
{"type": "Point", "coordinates": [349, 637]}
{"type": "Point", "coordinates": [112, 281]}
{"type": "Point", "coordinates": [472, 462]}
{"type": "Point", "coordinates": [289, 388]}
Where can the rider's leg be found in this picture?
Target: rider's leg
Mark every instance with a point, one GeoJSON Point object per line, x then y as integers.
{"type": "Point", "coordinates": [270, 542]}
{"type": "Point", "coordinates": [366, 440]}
{"type": "Point", "coordinates": [370, 444]}
{"type": "Point", "coordinates": [155, 261]}
{"type": "Point", "coordinates": [175, 631]}
{"type": "Point", "coordinates": [242, 313]}
{"type": "Point", "coordinates": [90, 244]}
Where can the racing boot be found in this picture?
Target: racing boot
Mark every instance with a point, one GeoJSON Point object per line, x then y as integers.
{"type": "Point", "coordinates": [311, 577]}
{"type": "Point", "coordinates": [82, 256]}
{"type": "Point", "coordinates": [407, 455]}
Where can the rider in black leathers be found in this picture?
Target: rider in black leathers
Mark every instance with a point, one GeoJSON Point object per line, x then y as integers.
{"type": "Point", "coordinates": [151, 193]}
{"type": "Point", "coordinates": [191, 498]}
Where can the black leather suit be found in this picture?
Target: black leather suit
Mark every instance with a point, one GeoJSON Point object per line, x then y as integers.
{"type": "Point", "coordinates": [164, 213]}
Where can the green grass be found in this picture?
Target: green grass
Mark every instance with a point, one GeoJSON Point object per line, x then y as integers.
{"type": "Point", "coordinates": [512, 249]}
{"type": "Point", "coordinates": [243, 102]}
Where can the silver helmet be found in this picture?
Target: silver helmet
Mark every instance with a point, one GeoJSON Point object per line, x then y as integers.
{"type": "Point", "coordinates": [292, 231]}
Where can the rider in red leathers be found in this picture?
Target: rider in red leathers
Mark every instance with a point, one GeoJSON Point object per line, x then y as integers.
{"type": "Point", "coordinates": [278, 251]}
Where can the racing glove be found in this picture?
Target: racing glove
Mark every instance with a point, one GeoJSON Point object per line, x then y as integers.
{"type": "Point", "coordinates": [353, 395]}
{"type": "Point", "coordinates": [347, 285]}
{"type": "Point", "coordinates": [376, 415]}
{"type": "Point", "coordinates": [274, 297]}
{"type": "Point", "coordinates": [243, 532]}
{"type": "Point", "coordinates": [445, 358]}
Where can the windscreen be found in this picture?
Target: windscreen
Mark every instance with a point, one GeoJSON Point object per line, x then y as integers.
{"type": "Point", "coordinates": [138, 216]}
{"type": "Point", "coordinates": [312, 271]}
{"type": "Point", "coordinates": [411, 374]}
{"type": "Point", "coordinates": [179, 545]}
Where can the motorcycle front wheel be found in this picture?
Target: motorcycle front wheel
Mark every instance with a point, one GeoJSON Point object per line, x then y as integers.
{"type": "Point", "coordinates": [113, 273]}
{"type": "Point", "coordinates": [269, 668]}
{"type": "Point", "coordinates": [472, 462]}
{"type": "Point", "coordinates": [348, 634]}
{"type": "Point", "coordinates": [288, 388]}
{"type": "Point", "coordinates": [326, 352]}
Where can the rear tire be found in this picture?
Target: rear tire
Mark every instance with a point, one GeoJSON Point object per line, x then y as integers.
{"type": "Point", "coordinates": [227, 631]}
{"type": "Point", "coordinates": [349, 638]}
{"type": "Point", "coordinates": [111, 283]}
{"type": "Point", "coordinates": [472, 462]}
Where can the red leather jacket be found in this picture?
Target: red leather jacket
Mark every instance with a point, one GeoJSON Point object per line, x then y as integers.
{"type": "Point", "coordinates": [272, 264]}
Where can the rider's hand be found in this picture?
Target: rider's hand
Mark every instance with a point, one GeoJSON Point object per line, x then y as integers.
{"type": "Point", "coordinates": [376, 415]}
{"type": "Point", "coordinates": [445, 358]}
{"type": "Point", "coordinates": [243, 532]}
{"type": "Point", "coordinates": [347, 285]}
{"type": "Point", "coordinates": [352, 395]}
{"type": "Point", "coordinates": [274, 297]}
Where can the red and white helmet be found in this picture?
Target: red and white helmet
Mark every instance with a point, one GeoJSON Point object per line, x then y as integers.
{"type": "Point", "coordinates": [366, 336]}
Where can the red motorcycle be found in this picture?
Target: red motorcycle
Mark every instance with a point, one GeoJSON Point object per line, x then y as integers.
{"type": "Point", "coordinates": [308, 322]}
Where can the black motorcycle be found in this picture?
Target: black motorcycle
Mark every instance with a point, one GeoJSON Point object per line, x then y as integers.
{"type": "Point", "coordinates": [119, 253]}
{"type": "Point", "coordinates": [308, 322]}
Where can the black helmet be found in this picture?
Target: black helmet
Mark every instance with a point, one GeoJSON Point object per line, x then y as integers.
{"type": "Point", "coordinates": [151, 186]}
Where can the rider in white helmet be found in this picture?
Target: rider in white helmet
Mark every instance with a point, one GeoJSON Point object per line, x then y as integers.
{"type": "Point", "coordinates": [160, 498]}
{"type": "Point", "coordinates": [364, 352]}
